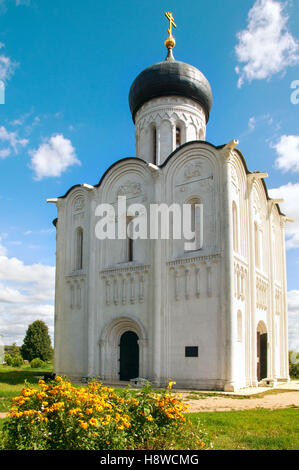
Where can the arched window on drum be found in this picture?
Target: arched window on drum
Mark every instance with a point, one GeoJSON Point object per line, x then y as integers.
{"type": "Point", "coordinates": [178, 137]}
{"type": "Point", "coordinates": [154, 144]}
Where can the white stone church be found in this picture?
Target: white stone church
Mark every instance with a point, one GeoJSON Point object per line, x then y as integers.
{"type": "Point", "coordinates": [213, 318]}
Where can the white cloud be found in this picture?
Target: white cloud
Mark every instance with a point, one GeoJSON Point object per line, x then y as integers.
{"type": "Point", "coordinates": [290, 194]}
{"type": "Point", "coordinates": [287, 149]}
{"type": "Point", "coordinates": [256, 122]}
{"type": "Point", "coordinates": [252, 123]}
{"type": "Point", "coordinates": [7, 66]}
{"type": "Point", "coordinates": [36, 279]}
{"type": "Point", "coordinates": [11, 142]}
{"type": "Point", "coordinates": [43, 231]}
{"type": "Point", "coordinates": [23, 2]}
{"type": "Point", "coordinates": [15, 319]}
{"type": "Point", "coordinates": [293, 309]}
{"type": "Point", "coordinates": [4, 4]}
{"type": "Point", "coordinates": [26, 294]}
{"type": "Point", "coordinates": [266, 47]}
{"type": "Point", "coordinates": [53, 157]}
{"type": "Point", "coordinates": [4, 153]}
{"type": "Point", "coordinates": [3, 250]}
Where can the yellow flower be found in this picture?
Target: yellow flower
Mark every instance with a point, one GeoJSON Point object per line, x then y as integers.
{"type": "Point", "coordinates": [89, 411]}
{"type": "Point", "coordinates": [171, 384]}
{"type": "Point", "coordinates": [83, 424]}
{"type": "Point", "coordinates": [93, 422]}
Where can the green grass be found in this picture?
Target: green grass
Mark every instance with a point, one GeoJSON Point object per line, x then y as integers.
{"type": "Point", "coordinates": [193, 395]}
{"type": "Point", "coordinates": [12, 380]}
{"type": "Point", "coordinates": [259, 429]}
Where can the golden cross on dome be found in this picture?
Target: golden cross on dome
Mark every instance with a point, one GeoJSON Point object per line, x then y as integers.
{"type": "Point", "coordinates": [170, 41]}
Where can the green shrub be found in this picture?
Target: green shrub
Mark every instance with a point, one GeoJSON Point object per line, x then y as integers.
{"type": "Point", "coordinates": [7, 359]}
{"type": "Point", "coordinates": [37, 363]}
{"type": "Point", "coordinates": [17, 361]}
{"type": "Point", "coordinates": [294, 364]}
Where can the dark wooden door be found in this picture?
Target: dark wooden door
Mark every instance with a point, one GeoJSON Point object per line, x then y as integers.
{"type": "Point", "coordinates": [129, 356]}
{"type": "Point", "coordinates": [261, 356]}
{"type": "Point", "coordinates": [258, 359]}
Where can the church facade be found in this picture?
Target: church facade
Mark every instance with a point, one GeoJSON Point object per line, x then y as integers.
{"type": "Point", "coordinates": [214, 317]}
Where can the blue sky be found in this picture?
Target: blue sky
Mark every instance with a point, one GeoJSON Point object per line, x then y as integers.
{"type": "Point", "coordinates": [67, 68]}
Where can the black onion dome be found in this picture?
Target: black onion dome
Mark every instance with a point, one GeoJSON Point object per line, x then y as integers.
{"type": "Point", "coordinates": [170, 78]}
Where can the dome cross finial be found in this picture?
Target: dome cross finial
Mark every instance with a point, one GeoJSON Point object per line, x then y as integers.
{"type": "Point", "coordinates": [170, 41]}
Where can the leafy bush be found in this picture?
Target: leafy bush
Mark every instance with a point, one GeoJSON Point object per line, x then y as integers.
{"type": "Point", "coordinates": [294, 364]}
{"type": "Point", "coordinates": [60, 416]}
{"type": "Point", "coordinates": [16, 361]}
{"type": "Point", "coordinates": [12, 350]}
{"type": "Point", "coordinates": [7, 359]}
{"type": "Point", "coordinates": [37, 363]}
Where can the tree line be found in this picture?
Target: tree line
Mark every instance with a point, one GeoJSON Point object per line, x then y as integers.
{"type": "Point", "coordinates": [36, 347]}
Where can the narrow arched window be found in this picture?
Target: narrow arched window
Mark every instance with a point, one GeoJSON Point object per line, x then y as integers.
{"type": "Point", "coordinates": [79, 249]}
{"type": "Point", "coordinates": [239, 327]}
{"type": "Point", "coordinates": [130, 241]}
{"type": "Point", "coordinates": [235, 228]}
{"type": "Point", "coordinates": [130, 250]}
{"type": "Point", "coordinates": [154, 144]}
{"type": "Point", "coordinates": [256, 245]}
{"type": "Point", "coordinates": [196, 225]}
{"type": "Point", "coordinates": [178, 140]}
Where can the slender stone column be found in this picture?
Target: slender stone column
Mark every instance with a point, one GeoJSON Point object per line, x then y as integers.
{"type": "Point", "coordinates": [60, 263]}
{"type": "Point", "coordinates": [228, 270]}
{"type": "Point", "coordinates": [252, 291]}
{"type": "Point", "coordinates": [91, 289]}
{"type": "Point", "coordinates": [284, 313]}
{"type": "Point", "coordinates": [271, 373]}
{"type": "Point", "coordinates": [156, 295]}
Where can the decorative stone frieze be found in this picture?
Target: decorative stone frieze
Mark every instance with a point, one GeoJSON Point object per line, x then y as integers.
{"type": "Point", "coordinates": [186, 273]}
{"type": "Point", "coordinates": [240, 277]}
{"type": "Point", "coordinates": [124, 285]}
{"type": "Point", "coordinates": [261, 292]}
{"type": "Point", "coordinates": [76, 285]}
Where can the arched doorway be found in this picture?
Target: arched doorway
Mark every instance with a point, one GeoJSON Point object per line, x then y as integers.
{"type": "Point", "coordinates": [128, 356]}
{"type": "Point", "coordinates": [261, 346]}
{"type": "Point", "coordinates": [111, 354]}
